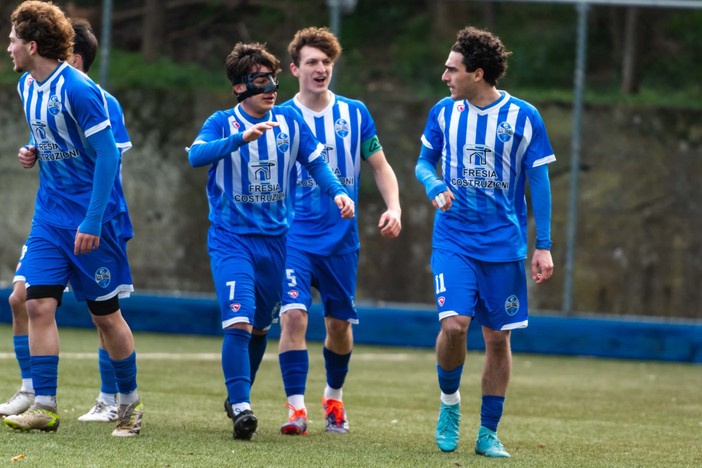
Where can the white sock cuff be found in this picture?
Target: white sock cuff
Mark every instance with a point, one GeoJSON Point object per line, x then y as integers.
{"type": "Point", "coordinates": [452, 399]}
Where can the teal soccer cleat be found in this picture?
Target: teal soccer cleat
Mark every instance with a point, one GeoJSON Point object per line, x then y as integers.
{"type": "Point", "coordinates": [489, 445]}
{"type": "Point", "coordinates": [447, 427]}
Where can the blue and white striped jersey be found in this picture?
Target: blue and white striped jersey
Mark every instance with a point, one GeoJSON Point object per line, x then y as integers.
{"type": "Point", "coordinates": [116, 116]}
{"type": "Point", "coordinates": [62, 112]}
{"type": "Point", "coordinates": [251, 190]}
{"type": "Point", "coordinates": [124, 144]}
{"type": "Point", "coordinates": [318, 227]}
{"type": "Point", "coordinates": [484, 153]}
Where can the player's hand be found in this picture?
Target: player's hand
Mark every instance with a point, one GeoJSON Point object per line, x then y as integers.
{"type": "Point", "coordinates": [390, 224]}
{"type": "Point", "coordinates": [541, 265]}
{"type": "Point", "coordinates": [346, 206]}
{"type": "Point", "coordinates": [255, 132]}
{"type": "Point", "coordinates": [27, 156]}
{"type": "Point", "coordinates": [85, 243]}
{"type": "Point", "coordinates": [444, 200]}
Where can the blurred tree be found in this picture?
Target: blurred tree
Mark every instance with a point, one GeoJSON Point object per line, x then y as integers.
{"type": "Point", "coordinates": [630, 60]}
{"type": "Point", "coordinates": [153, 29]}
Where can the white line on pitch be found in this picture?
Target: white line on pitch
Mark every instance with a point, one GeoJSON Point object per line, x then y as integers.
{"type": "Point", "coordinates": [395, 357]}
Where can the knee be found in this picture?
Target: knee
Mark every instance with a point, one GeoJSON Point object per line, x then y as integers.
{"type": "Point", "coordinates": [17, 301]}
{"type": "Point", "coordinates": [453, 330]}
{"type": "Point", "coordinates": [497, 341]}
{"type": "Point", "coordinates": [294, 322]}
{"type": "Point", "coordinates": [338, 329]}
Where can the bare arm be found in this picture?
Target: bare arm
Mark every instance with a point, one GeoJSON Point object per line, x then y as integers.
{"type": "Point", "coordinates": [390, 223]}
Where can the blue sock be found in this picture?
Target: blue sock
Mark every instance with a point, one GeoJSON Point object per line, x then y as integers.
{"type": "Point", "coordinates": [107, 373]}
{"type": "Point", "coordinates": [236, 365]}
{"type": "Point", "coordinates": [337, 366]}
{"type": "Point", "coordinates": [45, 374]}
{"type": "Point", "coordinates": [449, 380]}
{"type": "Point", "coordinates": [491, 411]}
{"type": "Point", "coordinates": [257, 348]}
{"type": "Point", "coordinates": [294, 366]}
{"type": "Point", "coordinates": [125, 373]}
{"type": "Point", "coordinates": [22, 353]}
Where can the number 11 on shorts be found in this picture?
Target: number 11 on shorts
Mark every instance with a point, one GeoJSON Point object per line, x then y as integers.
{"type": "Point", "coordinates": [439, 282]}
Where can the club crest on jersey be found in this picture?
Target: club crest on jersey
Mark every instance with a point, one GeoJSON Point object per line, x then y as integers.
{"type": "Point", "coordinates": [235, 306]}
{"type": "Point", "coordinates": [54, 105]}
{"type": "Point", "coordinates": [441, 300]}
{"type": "Point", "coordinates": [461, 107]}
{"type": "Point", "coordinates": [103, 277]}
{"type": "Point", "coordinates": [293, 293]}
{"type": "Point", "coordinates": [283, 142]}
{"type": "Point", "coordinates": [342, 128]}
{"type": "Point", "coordinates": [504, 131]}
{"type": "Point", "coordinates": [512, 305]}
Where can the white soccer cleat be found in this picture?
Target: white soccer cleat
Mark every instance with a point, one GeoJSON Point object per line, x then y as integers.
{"type": "Point", "coordinates": [19, 403]}
{"type": "Point", "coordinates": [101, 412]}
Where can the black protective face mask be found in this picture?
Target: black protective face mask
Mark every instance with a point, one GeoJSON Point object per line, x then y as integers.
{"type": "Point", "coordinates": [252, 89]}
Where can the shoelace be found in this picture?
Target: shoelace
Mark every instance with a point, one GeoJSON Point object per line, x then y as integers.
{"type": "Point", "coordinates": [336, 408]}
{"type": "Point", "coordinates": [125, 419]}
{"type": "Point", "coordinates": [296, 413]}
{"type": "Point", "coordinates": [16, 396]}
{"type": "Point", "coordinates": [494, 438]}
{"type": "Point", "coordinates": [450, 419]}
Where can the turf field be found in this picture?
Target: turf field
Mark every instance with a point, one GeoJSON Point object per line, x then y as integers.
{"type": "Point", "coordinates": [564, 412]}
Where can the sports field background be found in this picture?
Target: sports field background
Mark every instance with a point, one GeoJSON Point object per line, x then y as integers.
{"type": "Point", "coordinates": [560, 411]}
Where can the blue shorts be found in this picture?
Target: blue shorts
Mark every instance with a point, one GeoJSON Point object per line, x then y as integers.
{"type": "Point", "coordinates": [494, 293]}
{"type": "Point", "coordinates": [334, 276]}
{"type": "Point", "coordinates": [19, 271]}
{"type": "Point", "coordinates": [100, 275]}
{"type": "Point", "coordinates": [248, 275]}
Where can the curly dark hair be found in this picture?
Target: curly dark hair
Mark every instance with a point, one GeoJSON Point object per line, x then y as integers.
{"type": "Point", "coordinates": [245, 58]}
{"type": "Point", "coordinates": [482, 49]}
{"type": "Point", "coordinates": [47, 25]}
{"type": "Point", "coordinates": [319, 38]}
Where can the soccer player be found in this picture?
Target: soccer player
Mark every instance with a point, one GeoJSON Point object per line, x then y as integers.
{"type": "Point", "coordinates": [79, 228]}
{"type": "Point", "coordinates": [322, 248]}
{"type": "Point", "coordinates": [251, 151]}
{"type": "Point", "coordinates": [106, 406]}
{"type": "Point", "coordinates": [488, 144]}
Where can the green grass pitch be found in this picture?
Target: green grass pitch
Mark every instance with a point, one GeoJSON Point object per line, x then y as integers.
{"type": "Point", "coordinates": [560, 411]}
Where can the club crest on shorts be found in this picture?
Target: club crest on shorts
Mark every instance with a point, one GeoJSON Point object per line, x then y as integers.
{"type": "Point", "coordinates": [235, 306]}
{"type": "Point", "coordinates": [103, 277]}
{"type": "Point", "coordinates": [512, 305]}
{"type": "Point", "coordinates": [293, 293]}
{"type": "Point", "coordinates": [441, 301]}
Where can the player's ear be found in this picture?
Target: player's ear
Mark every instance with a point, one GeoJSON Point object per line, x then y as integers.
{"type": "Point", "coordinates": [479, 74]}
{"type": "Point", "coordinates": [294, 70]}
{"type": "Point", "coordinates": [239, 88]}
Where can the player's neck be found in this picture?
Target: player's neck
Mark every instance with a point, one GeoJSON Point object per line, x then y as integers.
{"type": "Point", "coordinates": [316, 102]}
{"type": "Point", "coordinates": [485, 97]}
{"type": "Point", "coordinates": [42, 68]}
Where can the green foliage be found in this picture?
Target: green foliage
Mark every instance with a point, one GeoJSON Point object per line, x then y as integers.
{"type": "Point", "coordinates": [129, 70]}
{"type": "Point", "coordinates": [560, 411]}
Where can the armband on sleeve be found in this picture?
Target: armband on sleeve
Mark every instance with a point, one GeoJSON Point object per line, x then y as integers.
{"type": "Point", "coordinates": [370, 147]}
